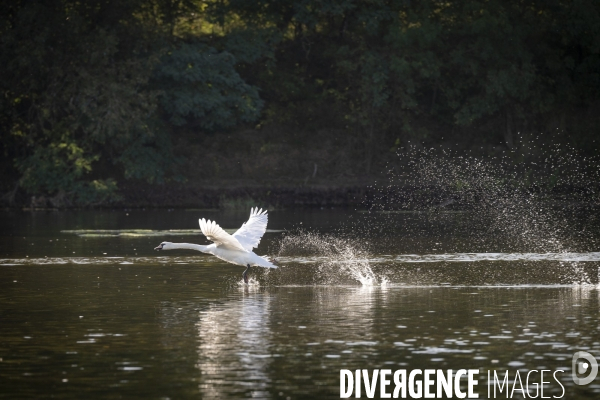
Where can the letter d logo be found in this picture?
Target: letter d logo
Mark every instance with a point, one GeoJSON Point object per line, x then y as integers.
{"type": "Point", "coordinates": [580, 367]}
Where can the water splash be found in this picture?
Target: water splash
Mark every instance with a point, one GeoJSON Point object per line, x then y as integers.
{"type": "Point", "coordinates": [455, 258]}
{"type": "Point", "coordinates": [253, 284]}
{"type": "Point", "coordinates": [338, 260]}
{"type": "Point", "coordinates": [514, 203]}
{"type": "Point", "coordinates": [511, 219]}
{"type": "Point", "coordinates": [529, 199]}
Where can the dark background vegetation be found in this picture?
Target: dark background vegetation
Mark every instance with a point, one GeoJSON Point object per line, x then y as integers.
{"type": "Point", "coordinates": [106, 100]}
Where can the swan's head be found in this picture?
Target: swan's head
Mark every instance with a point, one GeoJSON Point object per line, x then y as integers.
{"type": "Point", "coordinates": [164, 246]}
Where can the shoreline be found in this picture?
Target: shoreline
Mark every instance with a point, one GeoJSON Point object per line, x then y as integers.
{"type": "Point", "coordinates": [181, 196]}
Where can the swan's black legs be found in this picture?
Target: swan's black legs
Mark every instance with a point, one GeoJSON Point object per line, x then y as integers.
{"type": "Point", "coordinates": [245, 274]}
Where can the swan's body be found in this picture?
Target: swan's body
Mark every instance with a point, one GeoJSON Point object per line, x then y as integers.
{"type": "Point", "coordinates": [236, 248]}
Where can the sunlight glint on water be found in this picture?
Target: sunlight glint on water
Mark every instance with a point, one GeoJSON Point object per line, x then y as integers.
{"type": "Point", "coordinates": [460, 273]}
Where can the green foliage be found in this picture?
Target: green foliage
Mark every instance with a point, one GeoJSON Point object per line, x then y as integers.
{"type": "Point", "coordinates": [53, 168]}
{"type": "Point", "coordinates": [100, 91]}
{"type": "Point", "coordinates": [420, 69]}
{"type": "Point", "coordinates": [74, 97]}
{"type": "Point", "coordinates": [59, 169]}
{"type": "Point", "coordinates": [200, 86]}
{"type": "Point", "coordinates": [77, 103]}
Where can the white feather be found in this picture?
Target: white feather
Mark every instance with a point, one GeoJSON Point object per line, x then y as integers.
{"type": "Point", "coordinates": [216, 234]}
{"type": "Point", "coordinates": [236, 248]}
{"type": "Point", "coordinates": [252, 231]}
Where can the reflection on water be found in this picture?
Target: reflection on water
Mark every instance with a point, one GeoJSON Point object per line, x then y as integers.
{"type": "Point", "coordinates": [375, 259]}
{"type": "Point", "coordinates": [179, 332]}
{"type": "Point", "coordinates": [292, 341]}
{"type": "Point", "coordinates": [258, 338]}
{"type": "Point", "coordinates": [384, 269]}
{"type": "Point", "coordinates": [106, 317]}
{"type": "Point", "coordinates": [235, 349]}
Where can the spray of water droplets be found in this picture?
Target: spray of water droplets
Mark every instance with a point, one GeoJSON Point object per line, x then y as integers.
{"type": "Point", "coordinates": [333, 259]}
{"type": "Point", "coordinates": [541, 201]}
{"type": "Point", "coordinates": [536, 203]}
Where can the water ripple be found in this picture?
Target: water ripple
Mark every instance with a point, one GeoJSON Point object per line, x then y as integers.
{"type": "Point", "coordinates": [378, 259]}
{"type": "Point", "coordinates": [461, 257]}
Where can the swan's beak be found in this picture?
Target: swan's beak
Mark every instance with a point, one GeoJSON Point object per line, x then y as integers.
{"type": "Point", "coordinates": [159, 247]}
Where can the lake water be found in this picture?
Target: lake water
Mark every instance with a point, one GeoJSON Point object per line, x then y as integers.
{"type": "Point", "coordinates": [89, 310]}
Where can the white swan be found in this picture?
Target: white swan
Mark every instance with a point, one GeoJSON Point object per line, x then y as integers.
{"type": "Point", "coordinates": [236, 248]}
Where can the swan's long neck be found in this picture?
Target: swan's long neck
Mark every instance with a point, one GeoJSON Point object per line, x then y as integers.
{"type": "Point", "coordinates": [189, 246]}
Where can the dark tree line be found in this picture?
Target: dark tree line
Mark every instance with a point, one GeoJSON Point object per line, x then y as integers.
{"type": "Point", "coordinates": [98, 92]}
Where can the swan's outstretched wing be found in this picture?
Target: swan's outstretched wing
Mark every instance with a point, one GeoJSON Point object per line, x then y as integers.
{"type": "Point", "coordinates": [252, 230]}
{"type": "Point", "coordinates": [216, 234]}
